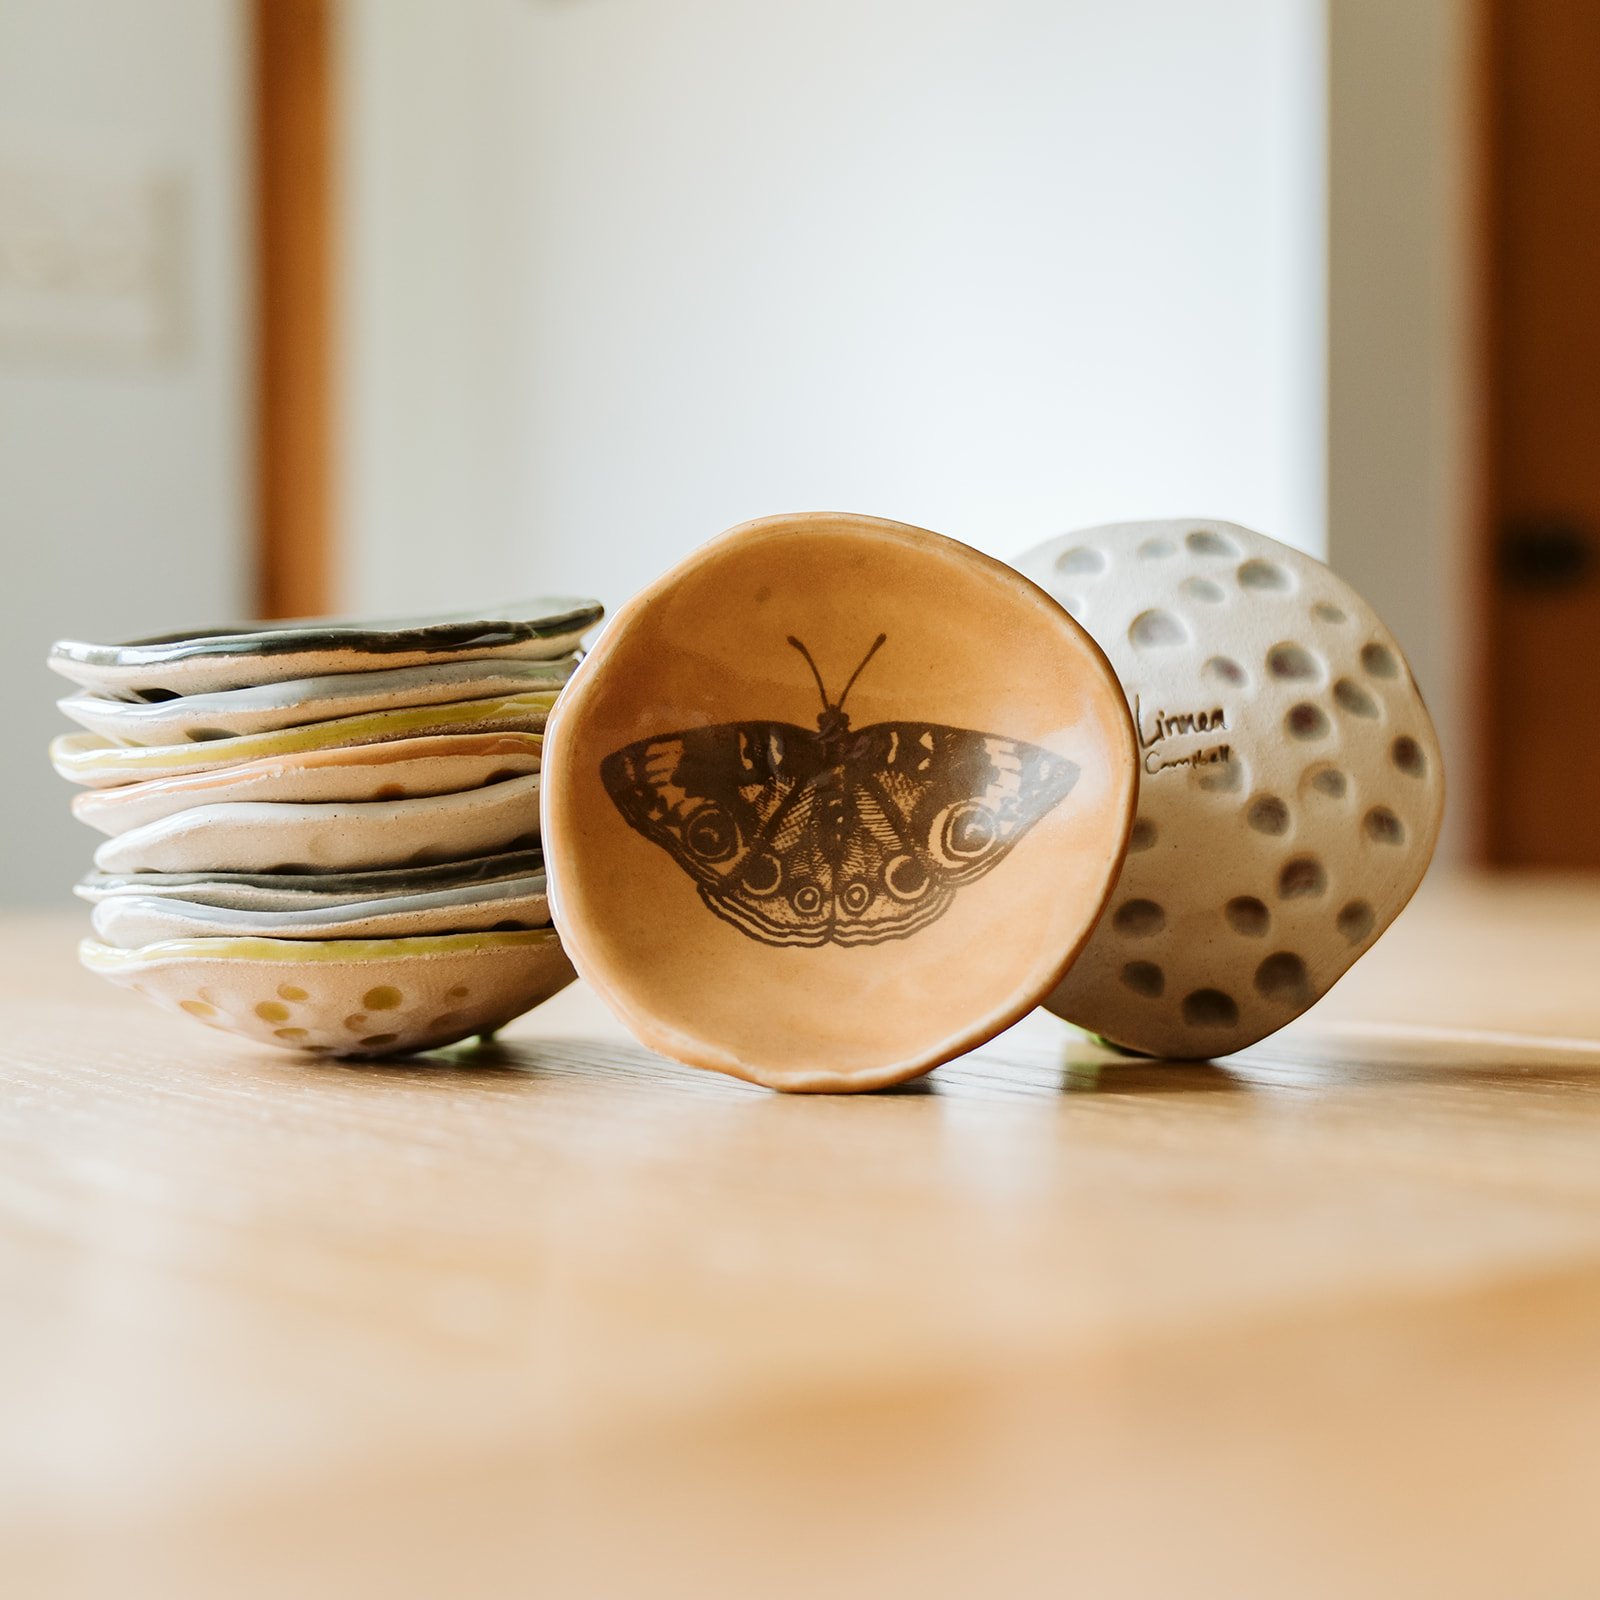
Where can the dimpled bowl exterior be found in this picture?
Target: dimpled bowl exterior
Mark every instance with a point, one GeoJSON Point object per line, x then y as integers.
{"type": "Point", "coordinates": [355, 997]}
{"type": "Point", "coordinates": [839, 890]}
{"type": "Point", "coordinates": [1291, 787]}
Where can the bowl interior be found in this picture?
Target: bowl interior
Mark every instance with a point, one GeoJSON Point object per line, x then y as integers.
{"type": "Point", "coordinates": [836, 866]}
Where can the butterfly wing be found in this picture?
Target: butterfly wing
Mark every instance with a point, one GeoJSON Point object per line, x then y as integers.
{"type": "Point", "coordinates": [931, 808]}
{"type": "Point", "coordinates": [736, 806]}
{"type": "Point", "coordinates": [799, 839]}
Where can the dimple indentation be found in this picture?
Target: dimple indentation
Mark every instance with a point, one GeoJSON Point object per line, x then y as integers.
{"type": "Point", "coordinates": [1157, 630]}
{"type": "Point", "coordinates": [1268, 814]}
{"type": "Point", "coordinates": [1145, 978]}
{"type": "Point", "coordinates": [459, 992]}
{"type": "Point", "coordinates": [1293, 663]}
{"type": "Point", "coordinates": [1325, 611]}
{"type": "Point", "coordinates": [383, 998]}
{"type": "Point", "coordinates": [272, 1011]}
{"type": "Point", "coordinates": [390, 791]}
{"type": "Point", "coordinates": [447, 1020]}
{"type": "Point", "coordinates": [1226, 671]}
{"type": "Point", "coordinates": [1379, 660]}
{"type": "Point", "coordinates": [291, 992]}
{"type": "Point", "coordinates": [1264, 577]}
{"type": "Point", "coordinates": [376, 1041]}
{"type": "Point", "coordinates": [1354, 699]}
{"type": "Point", "coordinates": [197, 1008]}
{"type": "Point", "coordinates": [1283, 977]}
{"type": "Point", "coordinates": [1306, 721]}
{"type": "Point", "coordinates": [1082, 561]}
{"type": "Point", "coordinates": [289, 1035]}
{"type": "Point", "coordinates": [1205, 590]}
{"type": "Point", "coordinates": [1302, 877]}
{"type": "Point", "coordinates": [1330, 781]}
{"type": "Point", "coordinates": [356, 1021]}
{"type": "Point", "coordinates": [1220, 777]}
{"type": "Point", "coordinates": [1355, 920]}
{"type": "Point", "coordinates": [1143, 835]}
{"type": "Point", "coordinates": [1156, 550]}
{"type": "Point", "coordinates": [1208, 542]}
{"type": "Point", "coordinates": [1139, 919]}
{"type": "Point", "coordinates": [1383, 826]}
{"type": "Point", "coordinates": [1247, 915]}
{"type": "Point", "coordinates": [1210, 1008]}
{"type": "Point", "coordinates": [1407, 755]}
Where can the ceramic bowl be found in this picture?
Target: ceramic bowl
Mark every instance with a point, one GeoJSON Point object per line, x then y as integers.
{"type": "Point", "coordinates": [275, 837]}
{"type": "Point", "coordinates": [404, 769]}
{"type": "Point", "coordinates": [346, 997]}
{"type": "Point", "coordinates": [1291, 784]}
{"type": "Point", "coordinates": [300, 891]}
{"type": "Point", "coordinates": [833, 801]}
{"type": "Point", "coordinates": [131, 920]}
{"type": "Point", "coordinates": [96, 762]}
{"type": "Point", "coordinates": [297, 702]}
{"type": "Point", "coordinates": [218, 659]}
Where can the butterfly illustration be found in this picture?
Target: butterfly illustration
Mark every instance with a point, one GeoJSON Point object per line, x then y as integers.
{"type": "Point", "coordinates": [843, 836]}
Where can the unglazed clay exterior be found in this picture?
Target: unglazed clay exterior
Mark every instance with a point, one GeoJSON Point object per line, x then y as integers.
{"type": "Point", "coordinates": [359, 997]}
{"type": "Point", "coordinates": [834, 801]}
{"type": "Point", "coordinates": [1291, 786]}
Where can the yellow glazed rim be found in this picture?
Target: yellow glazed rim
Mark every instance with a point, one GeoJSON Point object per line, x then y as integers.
{"type": "Point", "coordinates": [106, 958]}
{"type": "Point", "coordinates": [75, 753]}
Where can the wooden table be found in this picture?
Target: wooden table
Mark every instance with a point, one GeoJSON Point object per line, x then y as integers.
{"type": "Point", "coordinates": [1322, 1319]}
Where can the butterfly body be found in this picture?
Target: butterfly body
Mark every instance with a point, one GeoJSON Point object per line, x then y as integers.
{"type": "Point", "coordinates": [839, 836]}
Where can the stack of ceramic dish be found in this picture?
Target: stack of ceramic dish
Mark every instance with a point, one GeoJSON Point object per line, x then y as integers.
{"type": "Point", "coordinates": [324, 835]}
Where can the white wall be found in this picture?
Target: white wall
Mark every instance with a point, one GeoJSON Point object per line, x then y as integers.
{"type": "Point", "coordinates": [622, 273]}
{"type": "Point", "coordinates": [122, 481]}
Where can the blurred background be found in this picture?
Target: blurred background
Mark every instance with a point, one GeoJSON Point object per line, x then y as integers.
{"type": "Point", "coordinates": [382, 305]}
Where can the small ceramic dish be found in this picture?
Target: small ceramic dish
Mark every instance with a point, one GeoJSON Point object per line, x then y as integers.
{"type": "Point", "coordinates": [129, 921]}
{"type": "Point", "coordinates": [272, 837]}
{"type": "Point", "coordinates": [404, 769]}
{"type": "Point", "coordinates": [300, 891]}
{"type": "Point", "coordinates": [216, 659]}
{"type": "Point", "coordinates": [297, 702]}
{"type": "Point", "coordinates": [96, 762]}
{"type": "Point", "coordinates": [833, 801]}
{"type": "Point", "coordinates": [345, 997]}
{"type": "Point", "coordinates": [1291, 782]}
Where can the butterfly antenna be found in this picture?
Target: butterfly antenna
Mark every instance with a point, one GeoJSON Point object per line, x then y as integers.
{"type": "Point", "coordinates": [822, 688]}
{"type": "Point", "coordinates": [877, 644]}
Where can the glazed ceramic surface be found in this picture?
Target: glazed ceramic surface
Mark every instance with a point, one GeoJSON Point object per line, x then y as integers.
{"type": "Point", "coordinates": [404, 769]}
{"type": "Point", "coordinates": [216, 659]}
{"type": "Point", "coordinates": [833, 801]}
{"type": "Point", "coordinates": [357, 997]}
{"type": "Point", "coordinates": [270, 837]}
{"type": "Point", "coordinates": [300, 701]}
{"type": "Point", "coordinates": [299, 891]}
{"type": "Point", "coordinates": [129, 920]}
{"type": "Point", "coordinates": [1291, 784]}
{"type": "Point", "coordinates": [96, 762]}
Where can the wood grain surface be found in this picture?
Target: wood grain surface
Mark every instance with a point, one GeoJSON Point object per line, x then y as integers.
{"type": "Point", "coordinates": [1320, 1319]}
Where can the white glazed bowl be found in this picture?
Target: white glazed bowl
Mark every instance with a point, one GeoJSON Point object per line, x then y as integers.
{"type": "Point", "coordinates": [1291, 784]}
{"type": "Point", "coordinates": [268, 836]}
{"type": "Point", "coordinates": [355, 997]}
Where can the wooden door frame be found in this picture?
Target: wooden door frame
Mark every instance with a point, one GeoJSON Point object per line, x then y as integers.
{"type": "Point", "coordinates": [292, 71]}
